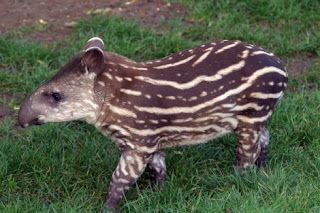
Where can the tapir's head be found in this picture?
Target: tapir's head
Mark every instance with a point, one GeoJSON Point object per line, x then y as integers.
{"type": "Point", "coordinates": [70, 94]}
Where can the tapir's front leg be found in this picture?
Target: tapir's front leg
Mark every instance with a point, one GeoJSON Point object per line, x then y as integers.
{"type": "Point", "coordinates": [130, 167]}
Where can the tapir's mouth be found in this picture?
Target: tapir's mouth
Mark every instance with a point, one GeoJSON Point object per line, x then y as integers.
{"type": "Point", "coordinates": [35, 121]}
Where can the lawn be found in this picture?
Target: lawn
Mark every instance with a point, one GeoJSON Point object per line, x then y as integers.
{"type": "Point", "coordinates": [67, 167]}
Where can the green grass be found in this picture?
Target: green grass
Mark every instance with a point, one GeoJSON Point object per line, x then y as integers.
{"type": "Point", "coordinates": [67, 167]}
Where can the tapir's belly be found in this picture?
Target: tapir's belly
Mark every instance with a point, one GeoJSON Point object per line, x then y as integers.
{"type": "Point", "coordinates": [182, 136]}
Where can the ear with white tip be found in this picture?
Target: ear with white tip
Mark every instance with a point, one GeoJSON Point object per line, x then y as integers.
{"type": "Point", "coordinates": [93, 56]}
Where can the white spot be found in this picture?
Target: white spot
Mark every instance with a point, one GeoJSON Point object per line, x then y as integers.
{"type": "Point", "coordinates": [118, 78]}
{"type": "Point", "coordinates": [193, 98]}
{"type": "Point", "coordinates": [108, 75]}
{"type": "Point", "coordinates": [154, 121]}
{"type": "Point", "coordinates": [170, 97]}
{"type": "Point", "coordinates": [245, 54]}
{"type": "Point", "coordinates": [246, 147]}
{"type": "Point", "coordinates": [101, 83]}
{"type": "Point", "coordinates": [245, 135]}
{"type": "Point", "coordinates": [128, 79]}
{"type": "Point", "coordinates": [203, 93]}
{"type": "Point", "coordinates": [140, 121]}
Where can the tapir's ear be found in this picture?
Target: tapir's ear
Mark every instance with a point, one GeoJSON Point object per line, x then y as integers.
{"type": "Point", "coordinates": [94, 54]}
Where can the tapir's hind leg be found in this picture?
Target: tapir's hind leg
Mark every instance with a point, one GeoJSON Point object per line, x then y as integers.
{"type": "Point", "coordinates": [157, 169]}
{"type": "Point", "coordinates": [253, 141]}
{"type": "Point", "coordinates": [264, 142]}
{"type": "Point", "coordinates": [248, 145]}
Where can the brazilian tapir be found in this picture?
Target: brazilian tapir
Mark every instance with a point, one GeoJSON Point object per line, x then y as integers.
{"type": "Point", "coordinates": [190, 97]}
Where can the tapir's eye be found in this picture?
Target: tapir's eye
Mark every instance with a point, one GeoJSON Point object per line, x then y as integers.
{"type": "Point", "coordinates": [56, 96]}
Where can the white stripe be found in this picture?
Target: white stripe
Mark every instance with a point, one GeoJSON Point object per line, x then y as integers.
{"type": "Point", "coordinates": [228, 105]}
{"type": "Point", "coordinates": [131, 92]}
{"type": "Point", "coordinates": [226, 47]}
{"type": "Point", "coordinates": [234, 122]}
{"type": "Point", "coordinates": [175, 64]}
{"type": "Point", "coordinates": [242, 87]}
{"type": "Point", "coordinates": [204, 56]}
{"type": "Point", "coordinates": [120, 129]}
{"type": "Point", "coordinates": [122, 165]}
{"type": "Point", "coordinates": [254, 119]}
{"type": "Point", "coordinates": [195, 81]}
{"type": "Point", "coordinates": [261, 53]}
{"type": "Point", "coordinates": [122, 111]}
{"type": "Point", "coordinates": [135, 68]}
{"type": "Point", "coordinates": [247, 106]}
{"type": "Point", "coordinates": [218, 115]}
{"type": "Point", "coordinates": [182, 120]}
{"type": "Point", "coordinates": [146, 132]}
{"type": "Point", "coordinates": [121, 180]}
{"type": "Point", "coordinates": [261, 95]}
{"type": "Point", "coordinates": [147, 149]}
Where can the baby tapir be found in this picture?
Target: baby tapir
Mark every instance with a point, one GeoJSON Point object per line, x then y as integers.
{"type": "Point", "coordinates": [187, 98]}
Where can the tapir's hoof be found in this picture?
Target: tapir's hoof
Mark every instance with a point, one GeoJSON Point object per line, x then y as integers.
{"type": "Point", "coordinates": [107, 208]}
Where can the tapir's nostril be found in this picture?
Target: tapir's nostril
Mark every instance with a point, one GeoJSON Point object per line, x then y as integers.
{"type": "Point", "coordinates": [24, 125]}
{"type": "Point", "coordinates": [35, 121]}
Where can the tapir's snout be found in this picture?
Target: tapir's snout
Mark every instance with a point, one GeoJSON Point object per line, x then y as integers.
{"type": "Point", "coordinates": [27, 116]}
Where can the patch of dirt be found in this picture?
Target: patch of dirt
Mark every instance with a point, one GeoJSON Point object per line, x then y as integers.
{"type": "Point", "coordinates": [54, 18]}
{"type": "Point", "coordinates": [299, 64]}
